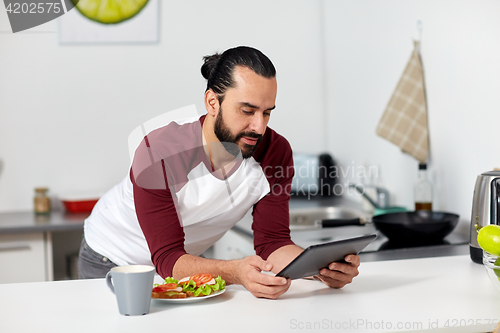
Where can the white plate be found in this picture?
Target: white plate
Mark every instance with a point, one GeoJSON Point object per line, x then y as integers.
{"type": "Point", "coordinates": [190, 299]}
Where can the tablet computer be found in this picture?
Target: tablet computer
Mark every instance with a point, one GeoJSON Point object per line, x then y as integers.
{"type": "Point", "coordinates": [316, 257]}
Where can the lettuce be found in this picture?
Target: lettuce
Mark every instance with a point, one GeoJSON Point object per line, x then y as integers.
{"type": "Point", "coordinates": [220, 283]}
{"type": "Point", "coordinates": [206, 289]}
{"type": "Point", "coordinates": [167, 280]}
{"type": "Point", "coordinates": [170, 280]}
{"type": "Point", "coordinates": [190, 286]}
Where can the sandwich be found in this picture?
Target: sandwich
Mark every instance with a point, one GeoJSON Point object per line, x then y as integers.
{"type": "Point", "coordinates": [197, 285]}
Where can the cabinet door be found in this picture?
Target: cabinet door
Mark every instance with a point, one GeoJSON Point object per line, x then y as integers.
{"type": "Point", "coordinates": [233, 245]}
{"type": "Point", "coordinates": [22, 258]}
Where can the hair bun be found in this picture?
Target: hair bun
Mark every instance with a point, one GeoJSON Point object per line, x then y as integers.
{"type": "Point", "coordinates": [209, 64]}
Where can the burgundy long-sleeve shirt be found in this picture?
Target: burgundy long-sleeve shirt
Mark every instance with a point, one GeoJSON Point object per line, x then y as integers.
{"type": "Point", "coordinates": [181, 206]}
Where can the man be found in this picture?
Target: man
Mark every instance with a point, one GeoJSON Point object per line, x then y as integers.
{"type": "Point", "coordinates": [193, 179]}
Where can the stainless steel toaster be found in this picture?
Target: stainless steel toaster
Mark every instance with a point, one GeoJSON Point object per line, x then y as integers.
{"type": "Point", "coordinates": [485, 209]}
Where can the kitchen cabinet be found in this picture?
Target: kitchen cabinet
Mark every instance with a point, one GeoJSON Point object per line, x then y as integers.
{"type": "Point", "coordinates": [233, 245]}
{"type": "Point", "coordinates": [25, 258]}
{"type": "Point", "coordinates": [39, 248]}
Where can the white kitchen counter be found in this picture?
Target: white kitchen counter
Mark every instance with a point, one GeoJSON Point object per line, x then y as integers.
{"type": "Point", "coordinates": [387, 296]}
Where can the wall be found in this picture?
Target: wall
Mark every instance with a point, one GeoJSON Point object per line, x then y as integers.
{"type": "Point", "coordinates": [66, 111]}
{"type": "Point", "coordinates": [368, 44]}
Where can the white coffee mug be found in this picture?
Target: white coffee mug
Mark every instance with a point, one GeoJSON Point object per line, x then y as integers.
{"type": "Point", "coordinates": [132, 286]}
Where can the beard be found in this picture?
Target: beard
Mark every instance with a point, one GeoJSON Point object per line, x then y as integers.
{"type": "Point", "coordinates": [230, 142]}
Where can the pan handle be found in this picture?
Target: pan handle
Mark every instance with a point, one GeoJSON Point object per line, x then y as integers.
{"type": "Point", "coordinates": [329, 223]}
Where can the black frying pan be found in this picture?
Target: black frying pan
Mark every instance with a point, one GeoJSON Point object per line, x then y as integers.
{"type": "Point", "coordinates": [409, 227]}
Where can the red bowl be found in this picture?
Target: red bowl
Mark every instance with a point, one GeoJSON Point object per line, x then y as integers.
{"type": "Point", "coordinates": [79, 206]}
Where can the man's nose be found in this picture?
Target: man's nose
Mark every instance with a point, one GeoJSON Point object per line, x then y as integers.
{"type": "Point", "coordinates": [258, 123]}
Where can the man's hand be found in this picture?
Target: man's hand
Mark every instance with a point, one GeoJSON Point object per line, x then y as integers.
{"type": "Point", "coordinates": [259, 284]}
{"type": "Point", "coordinates": [339, 274]}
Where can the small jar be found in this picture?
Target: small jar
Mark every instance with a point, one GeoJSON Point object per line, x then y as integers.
{"type": "Point", "coordinates": [42, 201]}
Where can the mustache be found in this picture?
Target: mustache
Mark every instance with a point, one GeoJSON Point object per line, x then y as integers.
{"type": "Point", "coordinates": [250, 135]}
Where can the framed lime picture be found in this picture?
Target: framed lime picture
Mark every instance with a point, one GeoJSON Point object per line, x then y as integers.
{"type": "Point", "coordinates": [111, 21]}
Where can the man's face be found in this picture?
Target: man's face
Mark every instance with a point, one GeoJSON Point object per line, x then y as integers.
{"type": "Point", "coordinates": [232, 142]}
{"type": "Point", "coordinates": [247, 108]}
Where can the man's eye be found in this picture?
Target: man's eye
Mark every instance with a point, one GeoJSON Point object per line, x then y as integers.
{"type": "Point", "coordinates": [267, 114]}
{"type": "Point", "coordinates": [247, 112]}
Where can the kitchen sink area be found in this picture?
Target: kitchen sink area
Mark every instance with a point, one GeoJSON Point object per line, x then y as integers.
{"type": "Point", "coordinates": [306, 218]}
{"type": "Point", "coordinates": [306, 229]}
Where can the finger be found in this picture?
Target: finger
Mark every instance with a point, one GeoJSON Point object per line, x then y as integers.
{"type": "Point", "coordinates": [344, 268]}
{"type": "Point", "coordinates": [270, 292]}
{"type": "Point", "coordinates": [262, 264]}
{"type": "Point", "coordinates": [335, 279]}
{"type": "Point", "coordinates": [269, 280]}
{"type": "Point", "coordinates": [278, 294]}
{"type": "Point", "coordinates": [267, 291]}
{"type": "Point", "coordinates": [273, 290]}
{"type": "Point", "coordinates": [352, 259]}
{"type": "Point", "coordinates": [332, 283]}
{"type": "Point", "coordinates": [337, 276]}
{"type": "Point", "coordinates": [268, 296]}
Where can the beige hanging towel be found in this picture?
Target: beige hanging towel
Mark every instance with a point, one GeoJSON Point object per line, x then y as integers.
{"type": "Point", "coordinates": [404, 121]}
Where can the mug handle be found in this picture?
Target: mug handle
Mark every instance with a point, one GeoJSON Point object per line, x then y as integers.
{"type": "Point", "coordinates": [109, 283]}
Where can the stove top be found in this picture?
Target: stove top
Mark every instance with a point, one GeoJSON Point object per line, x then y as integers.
{"type": "Point", "coordinates": [382, 243]}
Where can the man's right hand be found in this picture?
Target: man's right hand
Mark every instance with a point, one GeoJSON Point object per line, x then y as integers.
{"type": "Point", "coordinates": [259, 284]}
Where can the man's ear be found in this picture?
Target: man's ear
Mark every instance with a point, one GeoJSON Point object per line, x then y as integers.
{"type": "Point", "coordinates": [211, 102]}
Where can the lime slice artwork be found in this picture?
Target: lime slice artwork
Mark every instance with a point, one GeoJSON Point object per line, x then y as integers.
{"type": "Point", "coordinates": [109, 11]}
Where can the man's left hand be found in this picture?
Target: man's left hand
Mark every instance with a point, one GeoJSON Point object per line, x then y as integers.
{"type": "Point", "coordinates": [339, 274]}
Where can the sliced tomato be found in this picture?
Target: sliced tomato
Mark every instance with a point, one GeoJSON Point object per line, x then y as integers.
{"type": "Point", "coordinates": [165, 287]}
{"type": "Point", "coordinates": [200, 279]}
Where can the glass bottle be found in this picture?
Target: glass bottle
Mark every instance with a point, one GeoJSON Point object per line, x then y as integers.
{"type": "Point", "coordinates": [423, 189]}
{"type": "Point", "coordinates": [41, 201]}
